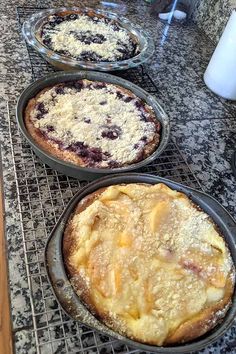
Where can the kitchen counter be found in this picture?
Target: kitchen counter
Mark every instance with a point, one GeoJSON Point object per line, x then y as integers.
{"type": "Point", "coordinates": [202, 125]}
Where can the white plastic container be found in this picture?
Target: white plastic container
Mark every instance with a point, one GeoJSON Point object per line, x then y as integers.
{"type": "Point", "coordinates": [220, 75]}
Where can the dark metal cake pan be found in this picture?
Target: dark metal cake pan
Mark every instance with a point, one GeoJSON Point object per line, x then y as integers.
{"type": "Point", "coordinates": [72, 169]}
{"type": "Point", "coordinates": [71, 302]}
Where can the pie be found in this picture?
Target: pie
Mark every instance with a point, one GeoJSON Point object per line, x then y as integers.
{"type": "Point", "coordinates": [88, 37]}
{"type": "Point", "coordinates": [148, 263]}
{"type": "Point", "coordinates": [93, 124]}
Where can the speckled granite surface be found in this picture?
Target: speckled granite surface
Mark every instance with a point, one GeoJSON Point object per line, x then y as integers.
{"type": "Point", "coordinates": [212, 15]}
{"type": "Point", "coordinates": [202, 124]}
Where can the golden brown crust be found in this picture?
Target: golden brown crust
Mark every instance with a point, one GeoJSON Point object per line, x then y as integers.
{"type": "Point", "coordinates": [190, 329]}
{"type": "Point", "coordinates": [68, 240]}
{"type": "Point", "coordinates": [204, 322]}
{"type": "Point", "coordinates": [67, 249]}
{"type": "Point", "coordinates": [53, 149]}
{"type": "Point", "coordinates": [45, 144]}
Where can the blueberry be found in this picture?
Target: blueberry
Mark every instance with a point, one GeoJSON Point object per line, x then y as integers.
{"type": "Point", "coordinates": [106, 20]}
{"type": "Point", "coordinates": [59, 20]}
{"type": "Point", "coordinates": [39, 116]}
{"type": "Point", "coordinates": [89, 56]}
{"type": "Point", "coordinates": [86, 40]}
{"type": "Point", "coordinates": [113, 164]}
{"type": "Point", "coordinates": [100, 85]}
{"type": "Point", "coordinates": [138, 104]}
{"type": "Point", "coordinates": [98, 38]}
{"type": "Point", "coordinates": [60, 90]}
{"type": "Point", "coordinates": [122, 50]}
{"type": "Point", "coordinates": [85, 37]}
{"type": "Point", "coordinates": [47, 42]}
{"type": "Point", "coordinates": [55, 20]}
{"type": "Point", "coordinates": [144, 138]}
{"type": "Point", "coordinates": [87, 120]}
{"type": "Point", "coordinates": [85, 56]}
{"type": "Point", "coordinates": [45, 29]}
{"type": "Point", "coordinates": [77, 146]}
{"type": "Point", "coordinates": [143, 118]}
{"type": "Point", "coordinates": [95, 154]}
{"type": "Point", "coordinates": [119, 94]}
{"type": "Point", "coordinates": [62, 52]}
{"type": "Point", "coordinates": [127, 99]}
{"type": "Point", "coordinates": [109, 135]}
{"type": "Point", "coordinates": [50, 128]}
{"type": "Point", "coordinates": [122, 47]}
{"type": "Point", "coordinates": [102, 103]}
{"type": "Point", "coordinates": [84, 152]}
{"type": "Point", "coordinates": [115, 27]}
{"type": "Point", "coordinates": [41, 108]}
{"type": "Point", "coordinates": [78, 85]}
{"type": "Point", "coordinates": [136, 146]}
{"type": "Point", "coordinates": [52, 21]}
{"type": "Point", "coordinates": [112, 132]}
{"type": "Point", "coordinates": [74, 33]}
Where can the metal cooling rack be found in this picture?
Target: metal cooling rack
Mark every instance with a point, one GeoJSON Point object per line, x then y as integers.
{"type": "Point", "coordinates": [42, 195]}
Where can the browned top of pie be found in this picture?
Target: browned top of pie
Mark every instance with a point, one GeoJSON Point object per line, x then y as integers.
{"type": "Point", "coordinates": [149, 263]}
{"type": "Point", "coordinates": [88, 37]}
{"type": "Point", "coordinates": [93, 124]}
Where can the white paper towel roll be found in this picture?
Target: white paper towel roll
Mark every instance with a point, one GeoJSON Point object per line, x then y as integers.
{"type": "Point", "coordinates": [220, 75]}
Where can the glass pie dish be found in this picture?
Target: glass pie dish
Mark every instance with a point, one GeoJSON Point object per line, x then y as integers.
{"type": "Point", "coordinates": [32, 29]}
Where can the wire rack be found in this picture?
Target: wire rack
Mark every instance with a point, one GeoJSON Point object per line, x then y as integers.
{"type": "Point", "coordinates": [42, 195]}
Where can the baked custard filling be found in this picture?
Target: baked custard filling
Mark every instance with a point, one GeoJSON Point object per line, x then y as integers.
{"type": "Point", "coordinates": [149, 263]}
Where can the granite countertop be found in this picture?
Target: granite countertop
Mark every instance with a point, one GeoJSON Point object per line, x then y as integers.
{"type": "Point", "coordinates": [202, 124]}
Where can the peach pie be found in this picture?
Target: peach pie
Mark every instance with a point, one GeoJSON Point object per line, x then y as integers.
{"type": "Point", "coordinates": [148, 263]}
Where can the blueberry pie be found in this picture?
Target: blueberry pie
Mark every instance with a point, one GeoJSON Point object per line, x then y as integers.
{"type": "Point", "coordinates": [93, 124]}
{"type": "Point", "coordinates": [88, 37]}
{"type": "Point", "coordinates": [148, 263]}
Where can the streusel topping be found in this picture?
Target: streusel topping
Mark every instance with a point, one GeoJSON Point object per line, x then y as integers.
{"type": "Point", "coordinates": [98, 116]}
{"type": "Point", "coordinates": [88, 38]}
{"type": "Point", "coordinates": [150, 259]}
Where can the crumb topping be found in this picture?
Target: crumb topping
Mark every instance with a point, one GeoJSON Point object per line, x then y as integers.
{"type": "Point", "coordinates": [152, 259]}
{"type": "Point", "coordinates": [88, 37]}
{"type": "Point", "coordinates": [96, 116]}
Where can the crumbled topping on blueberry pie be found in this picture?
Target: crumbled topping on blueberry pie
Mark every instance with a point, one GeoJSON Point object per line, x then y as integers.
{"type": "Point", "coordinates": [93, 124]}
{"type": "Point", "coordinates": [88, 37]}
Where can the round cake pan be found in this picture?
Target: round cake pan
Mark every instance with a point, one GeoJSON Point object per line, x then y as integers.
{"type": "Point", "coordinates": [32, 29]}
{"type": "Point", "coordinates": [71, 303]}
{"type": "Point", "coordinates": [68, 168]}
